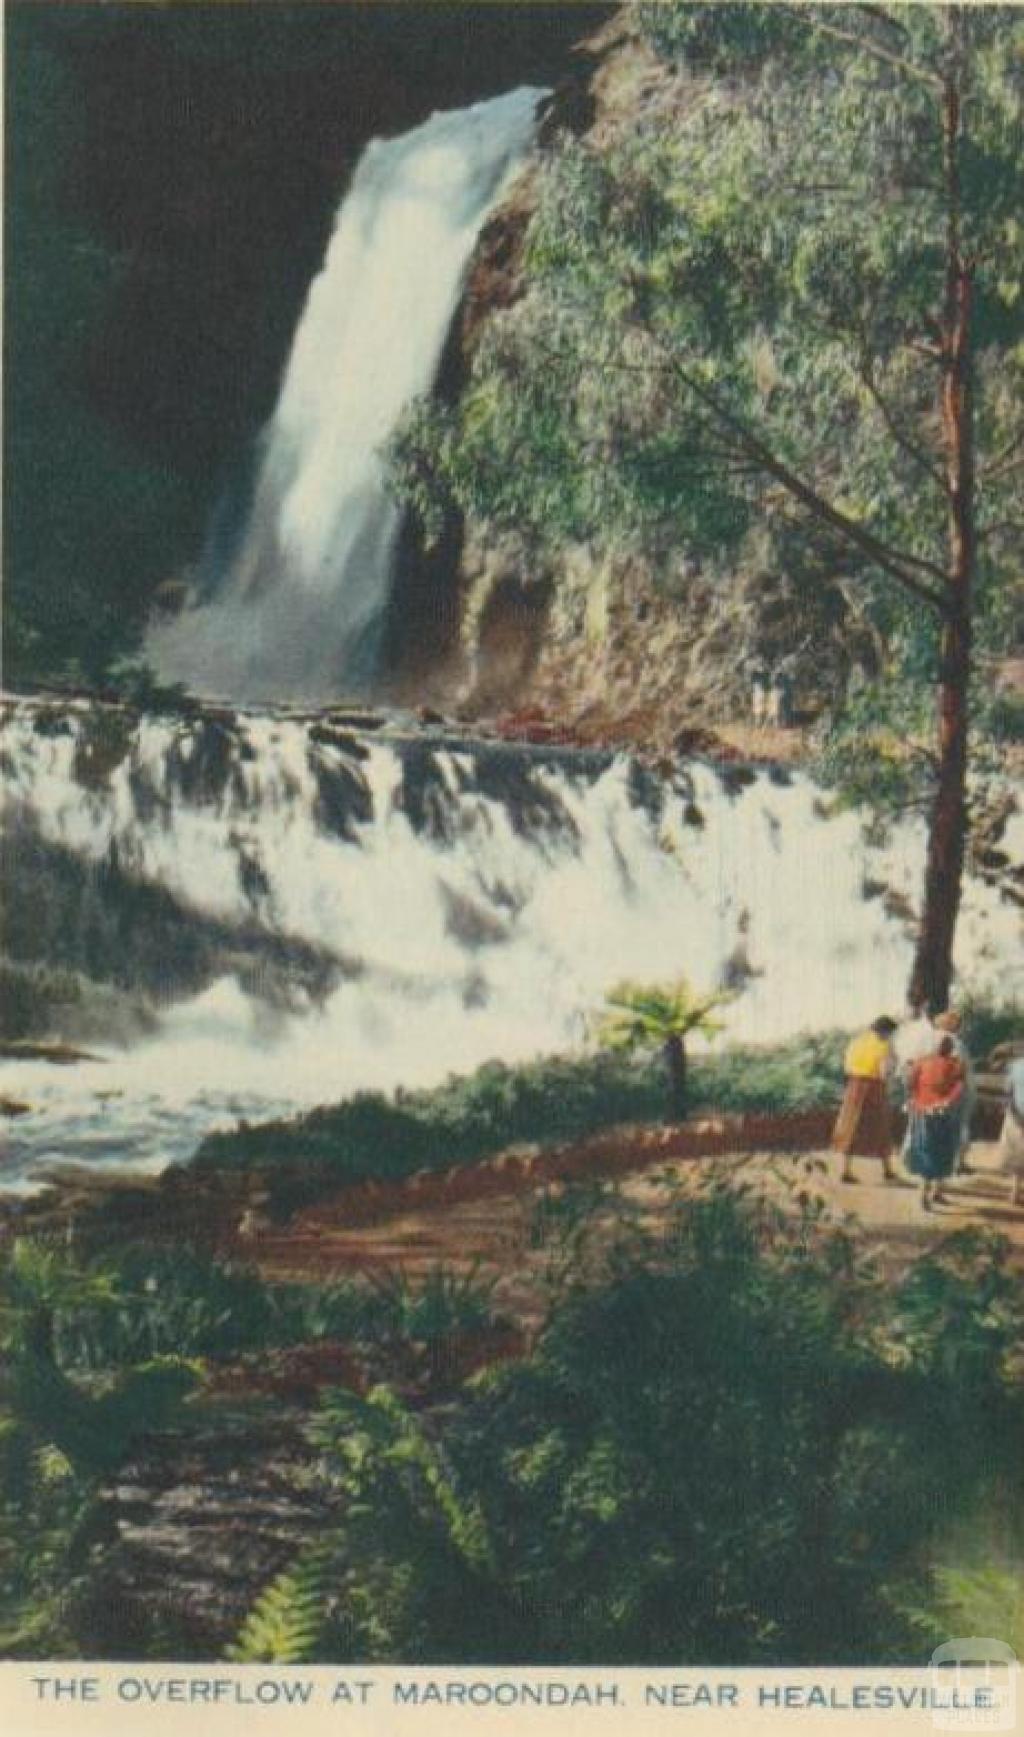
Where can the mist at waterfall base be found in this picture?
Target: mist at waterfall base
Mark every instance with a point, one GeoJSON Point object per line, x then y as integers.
{"type": "Point", "coordinates": [474, 901]}
{"type": "Point", "coordinates": [300, 610]}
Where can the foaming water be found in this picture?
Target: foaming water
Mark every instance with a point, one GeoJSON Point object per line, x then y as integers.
{"type": "Point", "coordinates": [339, 913]}
{"type": "Point", "coordinates": [299, 614]}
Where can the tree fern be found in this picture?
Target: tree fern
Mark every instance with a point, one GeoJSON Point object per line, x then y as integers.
{"type": "Point", "coordinates": [642, 1015]}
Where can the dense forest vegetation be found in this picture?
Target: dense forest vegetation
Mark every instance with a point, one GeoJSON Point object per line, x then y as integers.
{"type": "Point", "coordinates": [741, 1442]}
{"type": "Point", "coordinates": [779, 321]}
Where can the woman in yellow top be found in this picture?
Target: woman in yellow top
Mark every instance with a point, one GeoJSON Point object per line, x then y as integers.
{"type": "Point", "coordinates": [864, 1126]}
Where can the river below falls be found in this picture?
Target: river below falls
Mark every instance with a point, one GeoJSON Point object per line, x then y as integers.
{"type": "Point", "coordinates": [304, 910]}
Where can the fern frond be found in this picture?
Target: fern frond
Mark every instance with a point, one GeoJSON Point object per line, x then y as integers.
{"type": "Point", "coordinates": [287, 1622]}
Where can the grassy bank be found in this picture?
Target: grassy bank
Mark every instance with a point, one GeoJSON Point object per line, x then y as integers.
{"type": "Point", "coordinates": [545, 1102]}
{"type": "Point", "coordinates": [561, 1098]}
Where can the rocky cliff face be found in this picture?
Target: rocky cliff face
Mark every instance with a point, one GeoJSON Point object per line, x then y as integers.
{"type": "Point", "coordinates": [635, 647]}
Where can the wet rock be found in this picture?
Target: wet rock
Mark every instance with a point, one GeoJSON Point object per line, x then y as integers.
{"type": "Point", "coordinates": [343, 802]}
{"type": "Point", "coordinates": [13, 1107]}
{"type": "Point", "coordinates": [329, 736]}
{"type": "Point", "coordinates": [102, 744]}
{"type": "Point", "coordinates": [737, 778]}
{"type": "Point", "coordinates": [356, 720]}
{"type": "Point", "coordinates": [60, 1054]}
{"type": "Point", "coordinates": [200, 761]}
{"type": "Point", "coordinates": [471, 922]}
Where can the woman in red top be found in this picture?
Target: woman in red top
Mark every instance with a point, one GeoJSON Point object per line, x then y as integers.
{"type": "Point", "coordinates": [936, 1088]}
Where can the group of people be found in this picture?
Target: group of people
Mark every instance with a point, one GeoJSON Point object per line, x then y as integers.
{"type": "Point", "coordinates": [771, 697]}
{"type": "Point", "coordinates": [927, 1059]}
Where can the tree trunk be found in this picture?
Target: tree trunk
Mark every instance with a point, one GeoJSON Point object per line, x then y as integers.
{"type": "Point", "coordinates": [947, 837]}
{"type": "Point", "coordinates": [675, 1061]}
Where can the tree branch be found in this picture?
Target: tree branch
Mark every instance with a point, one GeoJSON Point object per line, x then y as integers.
{"type": "Point", "coordinates": [903, 440]}
{"type": "Point", "coordinates": [892, 561]}
{"type": "Point", "coordinates": [1005, 469]}
{"type": "Point", "coordinates": [997, 465]}
{"type": "Point", "coordinates": [864, 45]}
{"type": "Point", "coordinates": [1000, 526]}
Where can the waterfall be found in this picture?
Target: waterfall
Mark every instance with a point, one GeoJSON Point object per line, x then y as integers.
{"type": "Point", "coordinates": [302, 910]}
{"type": "Point", "coordinates": [298, 615]}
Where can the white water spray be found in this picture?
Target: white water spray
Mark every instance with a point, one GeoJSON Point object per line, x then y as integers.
{"type": "Point", "coordinates": [299, 614]}
{"type": "Point", "coordinates": [478, 899]}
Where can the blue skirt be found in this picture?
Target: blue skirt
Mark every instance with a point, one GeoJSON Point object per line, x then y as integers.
{"type": "Point", "coordinates": [934, 1142]}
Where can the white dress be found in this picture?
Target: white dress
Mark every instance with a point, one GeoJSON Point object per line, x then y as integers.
{"type": "Point", "coordinates": [1011, 1145]}
{"type": "Point", "coordinates": [1011, 1140]}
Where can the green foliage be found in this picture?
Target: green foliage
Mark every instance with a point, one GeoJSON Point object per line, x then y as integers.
{"type": "Point", "coordinates": [289, 1623]}
{"type": "Point", "coordinates": [734, 1444]}
{"type": "Point", "coordinates": [799, 1075]}
{"type": "Point", "coordinates": [97, 1357]}
{"type": "Point", "coordinates": [135, 683]}
{"type": "Point", "coordinates": [37, 1280]}
{"type": "Point", "coordinates": [350, 1595]}
{"type": "Point", "coordinates": [92, 1428]}
{"type": "Point", "coordinates": [982, 1600]}
{"type": "Point", "coordinates": [732, 321]}
{"type": "Point", "coordinates": [59, 1439]}
{"type": "Point", "coordinates": [644, 1016]}
{"type": "Point", "coordinates": [719, 38]}
{"type": "Point", "coordinates": [958, 1318]}
{"type": "Point", "coordinates": [873, 754]}
{"type": "Point", "coordinates": [987, 1024]}
{"type": "Point", "coordinates": [445, 1302]}
{"type": "Point", "coordinates": [45, 1511]}
{"type": "Point", "coordinates": [30, 994]}
{"type": "Point", "coordinates": [1002, 716]}
{"type": "Point", "coordinates": [175, 1300]}
{"type": "Point", "coordinates": [560, 1098]}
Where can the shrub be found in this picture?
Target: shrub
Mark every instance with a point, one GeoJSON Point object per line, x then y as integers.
{"type": "Point", "coordinates": [179, 1301]}
{"type": "Point", "coordinates": [987, 1024]}
{"type": "Point", "coordinates": [740, 1445]}
{"type": "Point", "coordinates": [558, 1099]}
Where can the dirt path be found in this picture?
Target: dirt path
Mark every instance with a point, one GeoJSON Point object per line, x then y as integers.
{"type": "Point", "coordinates": [500, 1233]}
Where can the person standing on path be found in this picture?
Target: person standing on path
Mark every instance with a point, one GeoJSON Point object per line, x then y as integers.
{"type": "Point", "coordinates": [1011, 1139]}
{"type": "Point", "coordinates": [936, 1091]}
{"type": "Point", "coordinates": [952, 1023]}
{"type": "Point", "coordinates": [780, 700]}
{"type": "Point", "coordinates": [759, 696]}
{"type": "Point", "coordinates": [864, 1125]}
{"type": "Point", "coordinates": [915, 1038]}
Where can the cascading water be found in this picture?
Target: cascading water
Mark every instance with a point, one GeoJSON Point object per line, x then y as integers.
{"type": "Point", "coordinates": [299, 613]}
{"type": "Point", "coordinates": [304, 911]}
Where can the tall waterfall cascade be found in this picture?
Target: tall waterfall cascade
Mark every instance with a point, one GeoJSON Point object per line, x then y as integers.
{"type": "Point", "coordinates": [303, 910]}
{"type": "Point", "coordinates": [299, 612]}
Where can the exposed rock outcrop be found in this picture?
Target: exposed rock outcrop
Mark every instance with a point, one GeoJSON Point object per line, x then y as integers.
{"type": "Point", "coordinates": [637, 647]}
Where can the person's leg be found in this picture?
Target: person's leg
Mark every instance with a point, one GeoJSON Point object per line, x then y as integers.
{"type": "Point", "coordinates": [963, 1168]}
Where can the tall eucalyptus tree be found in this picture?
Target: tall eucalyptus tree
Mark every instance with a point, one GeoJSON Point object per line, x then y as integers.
{"type": "Point", "coordinates": [793, 297]}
